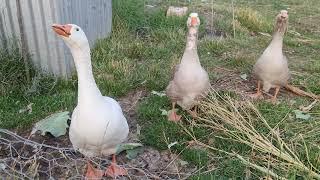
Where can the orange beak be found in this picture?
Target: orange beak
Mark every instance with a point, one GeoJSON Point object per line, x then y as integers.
{"type": "Point", "coordinates": [62, 30]}
{"type": "Point", "coordinates": [194, 21]}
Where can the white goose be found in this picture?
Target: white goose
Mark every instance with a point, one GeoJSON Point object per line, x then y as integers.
{"type": "Point", "coordinates": [98, 124]}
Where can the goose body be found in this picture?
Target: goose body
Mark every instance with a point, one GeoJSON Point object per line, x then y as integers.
{"type": "Point", "coordinates": [271, 69]}
{"type": "Point", "coordinates": [97, 124]}
{"type": "Point", "coordinates": [190, 81]}
{"type": "Point", "coordinates": [100, 136]}
{"type": "Point", "coordinates": [272, 66]}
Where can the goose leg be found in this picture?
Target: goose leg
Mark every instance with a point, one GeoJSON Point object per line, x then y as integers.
{"type": "Point", "coordinates": [114, 170]}
{"type": "Point", "coordinates": [172, 116]}
{"type": "Point", "coordinates": [274, 98]}
{"type": "Point", "coordinates": [258, 93]}
{"type": "Point", "coordinates": [93, 173]}
{"type": "Point", "coordinates": [193, 112]}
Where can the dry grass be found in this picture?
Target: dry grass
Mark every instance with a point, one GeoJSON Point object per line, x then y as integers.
{"type": "Point", "coordinates": [241, 122]}
{"type": "Point", "coordinates": [250, 19]}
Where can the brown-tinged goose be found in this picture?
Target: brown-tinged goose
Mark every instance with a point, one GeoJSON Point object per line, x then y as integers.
{"type": "Point", "coordinates": [271, 69]}
{"type": "Point", "coordinates": [190, 81]}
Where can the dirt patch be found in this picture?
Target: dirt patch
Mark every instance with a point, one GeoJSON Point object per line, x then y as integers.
{"type": "Point", "coordinates": [41, 157]}
{"type": "Point", "coordinates": [129, 104]}
{"type": "Point", "coordinates": [231, 80]}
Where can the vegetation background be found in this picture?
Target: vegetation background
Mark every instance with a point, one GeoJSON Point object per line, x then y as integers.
{"type": "Point", "coordinates": [143, 48]}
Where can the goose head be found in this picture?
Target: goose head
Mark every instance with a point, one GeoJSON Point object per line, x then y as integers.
{"type": "Point", "coordinates": [72, 35]}
{"type": "Point", "coordinates": [193, 20]}
{"type": "Point", "coordinates": [282, 21]}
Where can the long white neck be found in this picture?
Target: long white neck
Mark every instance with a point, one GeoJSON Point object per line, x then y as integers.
{"type": "Point", "coordinates": [190, 53]}
{"type": "Point", "coordinates": [192, 39]}
{"type": "Point", "coordinates": [277, 41]}
{"type": "Point", "coordinates": [88, 91]}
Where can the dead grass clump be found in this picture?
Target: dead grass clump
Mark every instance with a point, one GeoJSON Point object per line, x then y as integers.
{"type": "Point", "coordinates": [238, 123]}
{"type": "Point", "coordinates": [251, 20]}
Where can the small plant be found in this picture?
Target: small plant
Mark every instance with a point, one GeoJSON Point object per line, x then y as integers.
{"type": "Point", "coordinates": [212, 47]}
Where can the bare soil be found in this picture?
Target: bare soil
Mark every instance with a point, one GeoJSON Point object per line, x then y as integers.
{"type": "Point", "coordinates": [31, 160]}
{"type": "Point", "coordinates": [231, 81]}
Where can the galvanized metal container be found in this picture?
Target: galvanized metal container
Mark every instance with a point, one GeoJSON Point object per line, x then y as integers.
{"type": "Point", "coordinates": [29, 22]}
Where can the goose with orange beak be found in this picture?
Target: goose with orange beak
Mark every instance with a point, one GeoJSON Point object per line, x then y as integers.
{"type": "Point", "coordinates": [190, 81]}
{"type": "Point", "coordinates": [271, 69]}
{"type": "Point", "coordinates": [97, 124]}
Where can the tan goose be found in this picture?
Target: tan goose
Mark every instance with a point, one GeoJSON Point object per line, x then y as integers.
{"type": "Point", "coordinates": [98, 124]}
{"type": "Point", "coordinates": [190, 81]}
{"type": "Point", "coordinates": [271, 69]}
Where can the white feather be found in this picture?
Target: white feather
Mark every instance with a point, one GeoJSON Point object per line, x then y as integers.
{"type": "Point", "coordinates": [98, 124]}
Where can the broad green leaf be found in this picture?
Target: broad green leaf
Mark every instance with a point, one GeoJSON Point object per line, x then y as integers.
{"type": "Point", "coordinates": [133, 153]}
{"type": "Point", "coordinates": [56, 124]}
{"type": "Point", "coordinates": [300, 115]}
{"type": "Point", "coordinates": [127, 146]}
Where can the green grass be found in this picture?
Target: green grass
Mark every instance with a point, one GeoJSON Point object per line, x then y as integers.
{"type": "Point", "coordinates": [16, 93]}
{"type": "Point", "coordinates": [12, 72]}
{"type": "Point", "coordinates": [159, 132]}
{"type": "Point", "coordinates": [143, 48]}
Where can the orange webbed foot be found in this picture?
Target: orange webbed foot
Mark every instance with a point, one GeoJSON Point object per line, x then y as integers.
{"type": "Point", "coordinates": [193, 114]}
{"type": "Point", "coordinates": [256, 95]}
{"type": "Point", "coordinates": [114, 170]}
{"type": "Point", "coordinates": [173, 116]}
{"type": "Point", "coordinates": [93, 173]}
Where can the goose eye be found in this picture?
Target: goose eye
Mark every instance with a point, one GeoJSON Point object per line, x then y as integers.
{"type": "Point", "coordinates": [77, 29]}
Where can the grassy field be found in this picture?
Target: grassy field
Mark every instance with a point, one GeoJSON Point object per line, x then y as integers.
{"type": "Point", "coordinates": [143, 48]}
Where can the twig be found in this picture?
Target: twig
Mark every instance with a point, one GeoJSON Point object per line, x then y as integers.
{"type": "Point", "coordinates": [308, 108]}
{"type": "Point", "coordinates": [173, 160]}
{"type": "Point", "coordinates": [301, 92]}
{"type": "Point", "coordinates": [38, 159]}
{"type": "Point", "coordinates": [30, 142]}
{"type": "Point", "coordinates": [233, 21]}
{"type": "Point", "coordinates": [237, 122]}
